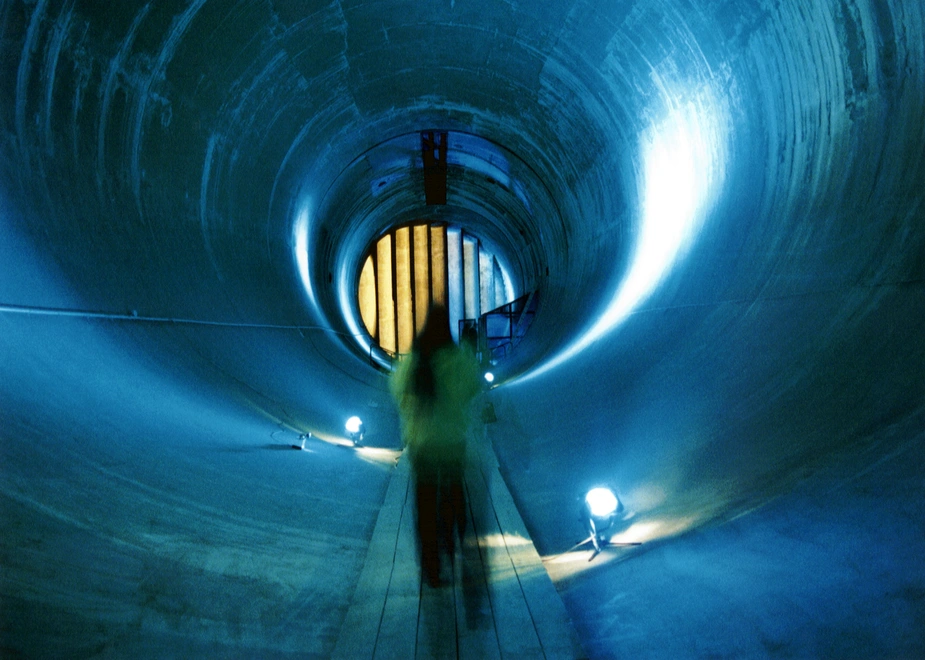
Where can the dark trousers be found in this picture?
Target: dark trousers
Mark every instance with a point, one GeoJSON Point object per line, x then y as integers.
{"type": "Point", "coordinates": [441, 512]}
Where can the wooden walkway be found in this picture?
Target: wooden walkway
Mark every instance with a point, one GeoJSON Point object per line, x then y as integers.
{"type": "Point", "coordinates": [498, 600]}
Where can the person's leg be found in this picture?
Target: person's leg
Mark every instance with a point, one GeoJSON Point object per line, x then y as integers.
{"type": "Point", "coordinates": [426, 497]}
{"type": "Point", "coordinates": [447, 514]}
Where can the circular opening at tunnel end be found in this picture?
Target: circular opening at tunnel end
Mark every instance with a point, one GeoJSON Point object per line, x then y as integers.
{"type": "Point", "coordinates": [412, 266]}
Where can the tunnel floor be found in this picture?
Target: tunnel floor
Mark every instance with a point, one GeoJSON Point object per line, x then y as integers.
{"type": "Point", "coordinates": [495, 600]}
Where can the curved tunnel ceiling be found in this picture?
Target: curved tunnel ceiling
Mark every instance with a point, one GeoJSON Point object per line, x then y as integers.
{"type": "Point", "coordinates": [720, 202]}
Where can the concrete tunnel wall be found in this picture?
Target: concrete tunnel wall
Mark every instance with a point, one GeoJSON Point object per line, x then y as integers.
{"type": "Point", "coordinates": [184, 187]}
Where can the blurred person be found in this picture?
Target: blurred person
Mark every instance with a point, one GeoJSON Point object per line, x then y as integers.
{"type": "Point", "coordinates": [433, 387]}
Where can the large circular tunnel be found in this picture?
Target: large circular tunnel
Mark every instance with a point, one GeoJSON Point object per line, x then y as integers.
{"type": "Point", "coordinates": [719, 204]}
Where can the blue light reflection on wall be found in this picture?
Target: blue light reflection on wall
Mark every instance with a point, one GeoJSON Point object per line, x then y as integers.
{"type": "Point", "coordinates": [346, 302]}
{"type": "Point", "coordinates": [300, 240]}
{"type": "Point", "coordinates": [683, 168]}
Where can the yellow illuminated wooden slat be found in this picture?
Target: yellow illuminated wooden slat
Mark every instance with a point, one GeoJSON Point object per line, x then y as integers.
{"type": "Point", "coordinates": [403, 289]}
{"type": "Point", "coordinates": [386, 298]}
{"type": "Point", "coordinates": [421, 277]}
{"type": "Point", "coordinates": [438, 264]}
{"type": "Point", "coordinates": [366, 296]}
{"type": "Point", "coordinates": [415, 266]}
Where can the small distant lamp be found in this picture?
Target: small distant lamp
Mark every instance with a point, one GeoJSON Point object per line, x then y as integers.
{"type": "Point", "coordinates": [355, 430]}
{"type": "Point", "coordinates": [600, 508]}
{"type": "Point", "coordinates": [489, 377]}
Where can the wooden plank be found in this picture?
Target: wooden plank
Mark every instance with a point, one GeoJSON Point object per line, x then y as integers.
{"type": "Point", "coordinates": [550, 618]}
{"type": "Point", "coordinates": [501, 604]}
{"type": "Point", "coordinates": [397, 637]}
{"type": "Point", "coordinates": [437, 624]}
{"type": "Point", "coordinates": [360, 628]}
{"type": "Point", "coordinates": [475, 625]}
{"type": "Point", "coordinates": [517, 637]}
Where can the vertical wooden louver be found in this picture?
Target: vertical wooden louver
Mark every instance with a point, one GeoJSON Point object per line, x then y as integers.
{"type": "Point", "coordinates": [412, 266]}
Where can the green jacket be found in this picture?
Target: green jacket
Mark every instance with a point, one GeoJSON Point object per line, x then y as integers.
{"type": "Point", "coordinates": [436, 430]}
